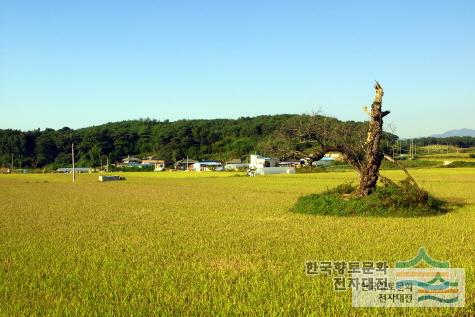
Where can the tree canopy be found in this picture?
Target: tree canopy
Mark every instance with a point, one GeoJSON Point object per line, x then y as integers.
{"type": "Point", "coordinates": [220, 139]}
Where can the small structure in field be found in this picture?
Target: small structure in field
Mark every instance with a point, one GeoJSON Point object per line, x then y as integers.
{"type": "Point", "coordinates": [107, 178]}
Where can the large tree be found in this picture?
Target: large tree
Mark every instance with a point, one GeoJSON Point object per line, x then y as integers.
{"type": "Point", "coordinates": [359, 143]}
{"type": "Point", "coordinates": [369, 169]}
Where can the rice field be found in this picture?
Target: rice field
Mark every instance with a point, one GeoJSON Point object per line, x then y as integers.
{"type": "Point", "coordinates": [210, 244]}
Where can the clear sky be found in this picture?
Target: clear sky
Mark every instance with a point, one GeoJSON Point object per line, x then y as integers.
{"type": "Point", "coordinates": [79, 63]}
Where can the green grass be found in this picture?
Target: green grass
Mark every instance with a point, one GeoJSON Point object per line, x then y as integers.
{"type": "Point", "coordinates": [391, 200]}
{"type": "Point", "coordinates": [446, 157]}
{"type": "Point", "coordinates": [439, 153]}
{"type": "Point", "coordinates": [385, 164]}
{"type": "Point", "coordinates": [207, 244]}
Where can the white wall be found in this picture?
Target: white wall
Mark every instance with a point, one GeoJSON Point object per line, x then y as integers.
{"type": "Point", "coordinates": [233, 167]}
{"type": "Point", "coordinates": [275, 170]}
{"type": "Point", "coordinates": [258, 161]}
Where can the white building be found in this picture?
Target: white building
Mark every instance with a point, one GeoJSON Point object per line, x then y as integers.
{"type": "Point", "coordinates": [261, 165]}
{"type": "Point", "coordinates": [207, 166]}
{"type": "Point", "coordinates": [235, 165]}
{"type": "Point", "coordinates": [274, 170]}
{"type": "Point", "coordinates": [258, 161]}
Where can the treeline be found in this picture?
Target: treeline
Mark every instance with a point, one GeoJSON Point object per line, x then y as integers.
{"type": "Point", "coordinates": [221, 139]}
{"type": "Point", "coordinates": [459, 141]}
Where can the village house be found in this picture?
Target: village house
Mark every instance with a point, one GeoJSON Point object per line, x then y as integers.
{"type": "Point", "coordinates": [76, 170]}
{"type": "Point", "coordinates": [258, 161]}
{"type": "Point", "coordinates": [235, 164]}
{"type": "Point", "coordinates": [184, 165]}
{"type": "Point", "coordinates": [4, 170]}
{"type": "Point", "coordinates": [324, 161]}
{"type": "Point", "coordinates": [207, 166]}
{"type": "Point", "coordinates": [129, 161]}
{"type": "Point", "coordinates": [132, 161]}
{"type": "Point", "coordinates": [261, 165]}
{"type": "Point", "coordinates": [159, 165]}
{"type": "Point", "coordinates": [291, 164]}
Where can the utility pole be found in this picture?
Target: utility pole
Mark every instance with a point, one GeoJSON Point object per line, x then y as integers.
{"type": "Point", "coordinates": [107, 166]}
{"type": "Point", "coordinates": [72, 155]}
{"type": "Point", "coordinates": [12, 165]}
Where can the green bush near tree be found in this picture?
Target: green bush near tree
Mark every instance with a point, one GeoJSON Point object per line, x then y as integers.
{"type": "Point", "coordinates": [398, 200]}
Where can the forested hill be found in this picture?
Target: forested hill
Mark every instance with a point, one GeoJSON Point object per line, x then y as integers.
{"type": "Point", "coordinates": [199, 139]}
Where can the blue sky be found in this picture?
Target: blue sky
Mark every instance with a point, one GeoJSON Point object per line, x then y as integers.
{"type": "Point", "coordinates": [79, 63]}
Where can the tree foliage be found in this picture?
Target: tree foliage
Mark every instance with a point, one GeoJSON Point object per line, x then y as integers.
{"type": "Point", "coordinates": [359, 143]}
{"type": "Point", "coordinates": [199, 139]}
{"type": "Point", "coordinates": [280, 135]}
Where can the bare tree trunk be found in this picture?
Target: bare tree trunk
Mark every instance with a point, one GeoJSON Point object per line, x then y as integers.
{"type": "Point", "coordinates": [369, 171]}
{"type": "Point", "coordinates": [313, 136]}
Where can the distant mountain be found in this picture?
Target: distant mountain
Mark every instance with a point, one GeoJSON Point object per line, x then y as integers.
{"type": "Point", "coordinates": [459, 132]}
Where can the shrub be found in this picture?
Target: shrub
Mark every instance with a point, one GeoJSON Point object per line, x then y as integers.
{"type": "Point", "coordinates": [344, 189]}
{"type": "Point", "coordinates": [403, 199]}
